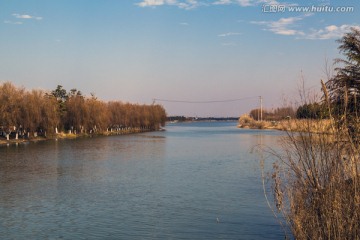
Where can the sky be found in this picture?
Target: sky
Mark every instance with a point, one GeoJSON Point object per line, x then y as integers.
{"type": "Point", "coordinates": [184, 50]}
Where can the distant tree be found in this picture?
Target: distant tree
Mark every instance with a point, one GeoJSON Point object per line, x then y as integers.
{"type": "Point", "coordinates": [39, 112]}
{"type": "Point", "coordinates": [176, 118]}
{"type": "Point", "coordinates": [74, 92]}
{"type": "Point", "coordinates": [255, 113]}
{"type": "Point", "coordinates": [31, 113]}
{"type": "Point", "coordinates": [61, 96]}
{"type": "Point", "coordinates": [98, 115]}
{"type": "Point", "coordinates": [34, 111]}
{"type": "Point", "coordinates": [10, 105]}
{"type": "Point", "coordinates": [160, 116]}
{"type": "Point", "coordinates": [312, 111]}
{"type": "Point", "coordinates": [77, 115]}
{"type": "Point", "coordinates": [273, 115]}
{"type": "Point", "coordinates": [147, 117]}
{"type": "Point", "coordinates": [284, 112]}
{"type": "Point", "coordinates": [50, 115]}
{"type": "Point", "coordinates": [117, 114]}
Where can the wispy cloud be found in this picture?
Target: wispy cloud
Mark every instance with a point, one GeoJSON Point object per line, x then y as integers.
{"type": "Point", "coordinates": [151, 3]}
{"type": "Point", "coordinates": [223, 2]}
{"type": "Point", "coordinates": [247, 3]}
{"type": "Point", "coordinates": [13, 22]}
{"type": "Point", "coordinates": [184, 24]}
{"type": "Point", "coordinates": [191, 4]}
{"type": "Point", "coordinates": [188, 4]}
{"type": "Point", "coordinates": [290, 27]}
{"type": "Point", "coordinates": [23, 18]}
{"type": "Point", "coordinates": [229, 34]}
{"type": "Point", "coordinates": [26, 16]}
{"type": "Point", "coordinates": [283, 26]}
{"type": "Point", "coordinates": [330, 32]}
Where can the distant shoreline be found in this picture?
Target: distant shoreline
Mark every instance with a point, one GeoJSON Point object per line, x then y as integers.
{"type": "Point", "coordinates": [72, 136]}
{"type": "Point", "coordinates": [201, 119]}
{"type": "Point", "coordinates": [292, 125]}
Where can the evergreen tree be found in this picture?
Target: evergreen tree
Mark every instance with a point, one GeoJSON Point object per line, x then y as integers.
{"type": "Point", "coordinates": [344, 87]}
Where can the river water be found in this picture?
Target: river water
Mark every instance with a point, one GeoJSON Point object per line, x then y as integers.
{"type": "Point", "coordinates": [193, 181]}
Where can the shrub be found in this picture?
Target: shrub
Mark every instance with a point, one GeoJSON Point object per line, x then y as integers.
{"type": "Point", "coordinates": [246, 121]}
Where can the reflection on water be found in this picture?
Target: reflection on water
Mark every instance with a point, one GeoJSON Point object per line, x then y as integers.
{"type": "Point", "coordinates": [162, 185]}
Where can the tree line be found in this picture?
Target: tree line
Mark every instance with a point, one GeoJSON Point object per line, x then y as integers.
{"type": "Point", "coordinates": [34, 112]}
{"type": "Point", "coordinates": [313, 110]}
{"type": "Point", "coordinates": [273, 115]}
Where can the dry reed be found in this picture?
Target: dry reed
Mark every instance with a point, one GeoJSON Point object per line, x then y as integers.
{"type": "Point", "coordinates": [315, 180]}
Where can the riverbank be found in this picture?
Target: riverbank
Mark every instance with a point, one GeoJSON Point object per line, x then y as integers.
{"type": "Point", "coordinates": [62, 135]}
{"type": "Point", "coordinates": [294, 125]}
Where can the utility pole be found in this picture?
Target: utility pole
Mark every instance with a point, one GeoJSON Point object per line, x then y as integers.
{"type": "Point", "coordinates": [261, 108]}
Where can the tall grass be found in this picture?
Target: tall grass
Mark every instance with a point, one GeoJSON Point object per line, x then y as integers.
{"type": "Point", "coordinates": [315, 181]}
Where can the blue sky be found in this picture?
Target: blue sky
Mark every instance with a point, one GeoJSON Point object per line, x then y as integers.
{"type": "Point", "coordinates": [193, 50]}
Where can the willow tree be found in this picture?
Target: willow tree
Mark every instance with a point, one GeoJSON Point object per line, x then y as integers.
{"type": "Point", "coordinates": [117, 114]}
{"type": "Point", "coordinates": [77, 115]}
{"type": "Point", "coordinates": [50, 114]}
{"type": "Point", "coordinates": [98, 115]}
{"type": "Point", "coordinates": [31, 110]}
{"type": "Point", "coordinates": [10, 106]}
{"type": "Point", "coordinates": [39, 112]}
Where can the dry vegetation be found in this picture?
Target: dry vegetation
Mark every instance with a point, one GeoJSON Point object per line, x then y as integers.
{"type": "Point", "coordinates": [28, 114]}
{"type": "Point", "coordinates": [316, 175]}
{"type": "Point", "coordinates": [316, 184]}
{"type": "Point", "coordinates": [293, 125]}
{"type": "Point", "coordinates": [305, 125]}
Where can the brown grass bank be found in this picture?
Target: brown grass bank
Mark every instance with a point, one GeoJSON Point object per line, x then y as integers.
{"type": "Point", "coordinates": [293, 125]}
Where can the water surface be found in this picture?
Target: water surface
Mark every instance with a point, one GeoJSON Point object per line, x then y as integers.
{"type": "Point", "coordinates": [192, 181]}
